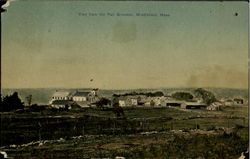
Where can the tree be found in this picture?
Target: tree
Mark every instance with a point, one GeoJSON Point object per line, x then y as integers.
{"type": "Point", "coordinates": [11, 102]}
{"type": "Point", "coordinates": [29, 99]}
{"type": "Point", "coordinates": [118, 110]}
{"type": "Point", "coordinates": [103, 102]}
{"type": "Point", "coordinates": [149, 94]}
{"type": "Point", "coordinates": [154, 94]}
{"type": "Point", "coordinates": [207, 96]}
{"type": "Point", "coordinates": [183, 96]}
{"type": "Point", "coordinates": [158, 94]}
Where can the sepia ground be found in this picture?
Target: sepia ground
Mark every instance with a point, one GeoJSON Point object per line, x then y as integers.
{"type": "Point", "coordinates": [144, 133]}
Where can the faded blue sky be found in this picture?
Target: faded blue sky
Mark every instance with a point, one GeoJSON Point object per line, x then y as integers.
{"type": "Point", "coordinates": [201, 44]}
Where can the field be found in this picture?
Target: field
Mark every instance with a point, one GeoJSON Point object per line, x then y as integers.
{"type": "Point", "coordinates": [145, 132]}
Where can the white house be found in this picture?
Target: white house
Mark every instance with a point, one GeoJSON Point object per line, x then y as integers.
{"type": "Point", "coordinates": [80, 96]}
{"type": "Point", "coordinates": [157, 101]}
{"type": "Point", "coordinates": [61, 104]}
{"type": "Point", "coordinates": [122, 103]}
{"type": "Point", "coordinates": [134, 101]}
{"type": "Point", "coordinates": [60, 95]}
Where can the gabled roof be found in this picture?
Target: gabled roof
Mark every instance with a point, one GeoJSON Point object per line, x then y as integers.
{"type": "Point", "coordinates": [61, 94]}
{"type": "Point", "coordinates": [82, 103]}
{"type": "Point", "coordinates": [60, 102]}
{"type": "Point", "coordinates": [123, 98]}
{"type": "Point", "coordinates": [81, 94]}
{"type": "Point", "coordinates": [238, 99]}
{"type": "Point", "coordinates": [174, 101]}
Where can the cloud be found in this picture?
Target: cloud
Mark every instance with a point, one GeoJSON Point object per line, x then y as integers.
{"type": "Point", "coordinates": [218, 76]}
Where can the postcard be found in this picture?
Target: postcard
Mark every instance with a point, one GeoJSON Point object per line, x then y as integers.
{"type": "Point", "coordinates": [124, 79]}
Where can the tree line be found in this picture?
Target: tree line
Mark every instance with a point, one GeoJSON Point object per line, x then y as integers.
{"type": "Point", "coordinates": [11, 102]}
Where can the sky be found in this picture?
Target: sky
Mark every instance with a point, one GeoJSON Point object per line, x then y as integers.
{"type": "Point", "coordinates": [66, 44]}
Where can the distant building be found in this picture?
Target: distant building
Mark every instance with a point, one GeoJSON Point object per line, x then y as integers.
{"type": "Point", "coordinates": [238, 101]}
{"type": "Point", "coordinates": [85, 98]}
{"type": "Point", "coordinates": [80, 96]}
{"type": "Point", "coordinates": [155, 101]}
{"type": "Point", "coordinates": [60, 95]}
{"type": "Point", "coordinates": [122, 103]}
{"type": "Point", "coordinates": [173, 103]}
{"type": "Point", "coordinates": [125, 101]}
{"type": "Point", "coordinates": [65, 104]}
{"type": "Point", "coordinates": [228, 102]}
{"type": "Point", "coordinates": [215, 106]}
{"type": "Point", "coordinates": [64, 99]}
{"type": "Point", "coordinates": [134, 101]}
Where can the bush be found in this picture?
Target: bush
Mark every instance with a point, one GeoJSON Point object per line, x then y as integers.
{"type": "Point", "coordinates": [12, 102]}
{"type": "Point", "coordinates": [183, 96]}
{"type": "Point", "coordinates": [207, 96]}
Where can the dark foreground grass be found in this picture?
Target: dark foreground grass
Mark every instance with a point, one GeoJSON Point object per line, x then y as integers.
{"type": "Point", "coordinates": [165, 145]}
{"type": "Point", "coordinates": [108, 136]}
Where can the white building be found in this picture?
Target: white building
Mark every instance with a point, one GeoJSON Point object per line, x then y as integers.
{"type": "Point", "coordinates": [157, 101]}
{"type": "Point", "coordinates": [81, 96]}
{"type": "Point", "coordinates": [122, 103]}
{"type": "Point", "coordinates": [61, 104]}
{"type": "Point", "coordinates": [60, 95]}
{"type": "Point", "coordinates": [134, 102]}
{"type": "Point", "coordinates": [215, 106]}
{"type": "Point", "coordinates": [85, 96]}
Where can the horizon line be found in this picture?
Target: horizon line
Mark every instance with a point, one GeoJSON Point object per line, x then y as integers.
{"type": "Point", "coordinates": [124, 88]}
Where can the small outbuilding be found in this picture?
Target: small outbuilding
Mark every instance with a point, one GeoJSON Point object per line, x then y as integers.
{"type": "Point", "coordinates": [193, 105]}
{"type": "Point", "coordinates": [238, 101]}
{"type": "Point", "coordinates": [215, 106]}
{"type": "Point", "coordinates": [64, 104]}
{"type": "Point", "coordinates": [173, 103]}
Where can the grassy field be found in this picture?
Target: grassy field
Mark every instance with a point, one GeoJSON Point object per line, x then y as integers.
{"type": "Point", "coordinates": [169, 145]}
{"type": "Point", "coordinates": [144, 133]}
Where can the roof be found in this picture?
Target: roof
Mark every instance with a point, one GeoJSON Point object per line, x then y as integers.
{"type": "Point", "coordinates": [122, 98]}
{"type": "Point", "coordinates": [81, 94]}
{"type": "Point", "coordinates": [238, 99]}
{"type": "Point", "coordinates": [61, 94]}
{"type": "Point", "coordinates": [60, 102]}
{"type": "Point", "coordinates": [82, 103]}
{"type": "Point", "coordinates": [194, 103]}
{"type": "Point", "coordinates": [174, 101]}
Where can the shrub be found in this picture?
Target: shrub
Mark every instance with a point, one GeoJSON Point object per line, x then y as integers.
{"type": "Point", "coordinates": [12, 102]}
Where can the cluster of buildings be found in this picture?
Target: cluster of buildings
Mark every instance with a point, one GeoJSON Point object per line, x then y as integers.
{"type": "Point", "coordinates": [168, 101]}
{"type": "Point", "coordinates": [234, 101]}
{"type": "Point", "coordinates": [66, 99]}
{"type": "Point", "coordinates": [156, 101]}
{"type": "Point", "coordinates": [227, 102]}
